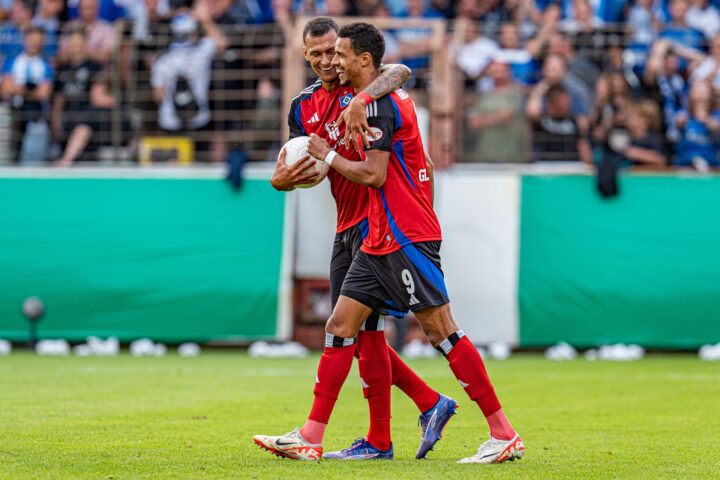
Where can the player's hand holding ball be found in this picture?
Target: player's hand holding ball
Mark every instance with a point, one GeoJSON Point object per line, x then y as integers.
{"type": "Point", "coordinates": [296, 168]}
{"type": "Point", "coordinates": [318, 147]}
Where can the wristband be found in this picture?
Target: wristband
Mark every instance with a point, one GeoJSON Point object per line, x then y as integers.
{"type": "Point", "coordinates": [366, 97]}
{"type": "Point", "coordinates": [330, 156]}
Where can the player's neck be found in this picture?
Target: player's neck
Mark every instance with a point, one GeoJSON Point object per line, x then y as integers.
{"type": "Point", "coordinates": [329, 87]}
{"type": "Point", "coordinates": [364, 79]}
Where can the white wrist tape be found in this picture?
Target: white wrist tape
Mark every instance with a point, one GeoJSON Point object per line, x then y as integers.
{"type": "Point", "coordinates": [330, 156]}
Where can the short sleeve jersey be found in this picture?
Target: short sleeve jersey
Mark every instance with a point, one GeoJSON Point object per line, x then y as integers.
{"type": "Point", "coordinates": [401, 210]}
{"type": "Point", "coordinates": [314, 110]}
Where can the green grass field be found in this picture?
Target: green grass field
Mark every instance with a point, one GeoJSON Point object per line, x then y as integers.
{"type": "Point", "coordinates": [172, 417]}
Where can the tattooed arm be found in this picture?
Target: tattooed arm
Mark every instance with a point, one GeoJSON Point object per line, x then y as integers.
{"type": "Point", "coordinates": [390, 79]}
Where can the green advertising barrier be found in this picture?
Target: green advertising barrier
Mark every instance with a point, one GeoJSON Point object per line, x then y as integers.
{"type": "Point", "coordinates": [166, 258]}
{"type": "Point", "coordinates": [641, 268]}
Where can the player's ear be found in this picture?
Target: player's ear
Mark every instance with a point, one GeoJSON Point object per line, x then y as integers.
{"type": "Point", "coordinates": [365, 59]}
{"type": "Point", "coordinates": [305, 53]}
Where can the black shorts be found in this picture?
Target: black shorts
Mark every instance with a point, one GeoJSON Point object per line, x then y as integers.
{"type": "Point", "coordinates": [347, 244]}
{"type": "Point", "coordinates": [408, 279]}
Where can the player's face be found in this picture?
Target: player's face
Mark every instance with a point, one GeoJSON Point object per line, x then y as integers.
{"type": "Point", "coordinates": [319, 51]}
{"type": "Point", "coordinates": [344, 61]}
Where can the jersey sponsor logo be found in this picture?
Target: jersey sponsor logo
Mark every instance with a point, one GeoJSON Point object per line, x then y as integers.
{"type": "Point", "coordinates": [375, 134]}
{"type": "Point", "coordinates": [345, 101]}
{"type": "Point", "coordinates": [423, 175]}
{"type": "Point", "coordinates": [402, 94]}
{"type": "Point", "coordinates": [314, 119]}
{"type": "Point", "coordinates": [332, 131]}
{"type": "Point", "coordinates": [410, 284]}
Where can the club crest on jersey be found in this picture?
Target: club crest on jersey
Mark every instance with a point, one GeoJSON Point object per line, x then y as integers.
{"type": "Point", "coordinates": [345, 101]}
{"type": "Point", "coordinates": [332, 131]}
{"type": "Point", "coordinates": [375, 133]}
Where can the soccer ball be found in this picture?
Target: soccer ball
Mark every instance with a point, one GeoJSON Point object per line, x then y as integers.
{"type": "Point", "coordinates": [296, 149]}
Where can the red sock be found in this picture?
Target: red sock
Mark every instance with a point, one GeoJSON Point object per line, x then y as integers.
{"type": "Point", "coordinates": [375, 375]}
{"type": "Point", "coordinates": [469, 369]}
{"type": "Point", "coordinates": [410, 383]}
{"type": "Point", "coordinates": [334, 367]}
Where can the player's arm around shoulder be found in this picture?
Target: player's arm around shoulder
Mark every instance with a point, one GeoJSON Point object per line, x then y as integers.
{"type": "Point", "coordinates": [371, 173]}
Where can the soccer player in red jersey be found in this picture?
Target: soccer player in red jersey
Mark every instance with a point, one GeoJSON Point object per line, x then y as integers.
{"type": "Point", "coordinates": [314, 111]}
{"type": "Point", "coordinates": [399, 259]}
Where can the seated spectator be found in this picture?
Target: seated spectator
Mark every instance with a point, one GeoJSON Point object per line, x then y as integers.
{"type": "Point", "coordinates": [27, 83]}
{"type": "Point", "coordinates": [100, 34]}
{"type": "Point", "coordinates": [557, 134]}
{"type": "Point", "coordinates": [703, 17]}
{"type": "Point", "coordinates": [72, 113]}
{"type": "Point", "coordinates": [181, 77]}
{"type": "Point", "coordinates": [699, 130]}
{"type": "Point", "coordinates": [497, 120]}
{"type": "Point", "coordinates": [108, 10]}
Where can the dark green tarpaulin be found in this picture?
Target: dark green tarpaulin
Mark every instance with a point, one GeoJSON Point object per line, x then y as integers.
{"type": "Point", "coordinates": [642, 268]}
{"type": "Point", "coordinates": [169, 259]}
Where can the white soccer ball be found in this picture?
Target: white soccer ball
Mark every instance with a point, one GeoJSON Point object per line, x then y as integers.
{"type": "Point", "coordinates": [296, 149]}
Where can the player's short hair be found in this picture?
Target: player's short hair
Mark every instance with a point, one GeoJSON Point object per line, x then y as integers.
{"type": "Point", "coordinates": [319, 26]}
{"type": "Point", "coordinates": [365, 38]}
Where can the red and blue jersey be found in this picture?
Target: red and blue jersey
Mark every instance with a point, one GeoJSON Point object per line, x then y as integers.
{"type": "Point", "coordinates": [401, 211]}
{"type": "Point", "coordinates": [314, 110]}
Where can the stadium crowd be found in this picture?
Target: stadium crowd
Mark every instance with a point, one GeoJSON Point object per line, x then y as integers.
{"type": "Point", "coordinates": [620, 82]}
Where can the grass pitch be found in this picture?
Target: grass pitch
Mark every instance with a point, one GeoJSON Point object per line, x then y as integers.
{"type": "Point", "coordinates": [172, 417]}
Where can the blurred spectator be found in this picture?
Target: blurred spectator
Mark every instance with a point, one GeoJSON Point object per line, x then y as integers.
{"type": "Point", "coordinates": [677, 31]}
{"type": "Point", "coordinates": [699, 130]}
{"type": "Point", "coordinates": [48, 15]}
{"type": "Point", "coordinates": [145, 16]}
{"type": "Point", "coordinates": [27, 83]}
{"type": "Point", "coordinates": [555, 73]}
{"type": "Point", "coordinates": [523, 63]}
{"type": "Point", "coordinates": [72, 113]}
{"type": "Point", "coordinates": [703, 17]}
{"type": "Point", "coordinates": [642, 24]}
{"type": "Point", "coordinates": [646, 145]}
{"type": "Point", "coordinates": [581, 71]}
{"type": "Point", "coordinates": [392, 45]}
{"type": "Point", "coordinates": [415, 43]}
{"type": "Point", "coordinates": [607, 117]}
{"type": "Point", "coordinates": [99, 33]}
{"type": "Point", "coordinates": [582, 19]}
{"type": "Point", "coordinates": [663, 72]}
{"type": "Point", "coordinates": [557, 134]}
{"type": "Point", "coordinates": [108, 10]}
{"type": "Point", "coordinates": [474, 56]}
{"type": "Point", "coordinates": [12, 32]}
{"type": "Point", "coordinates": [708, 67]}
{"type": "Point", "coordinates": [181, 77]}
{"type": "Point", "coordinates": [5, 9]}
{"type": "Point", "coordinates": [497, 120]}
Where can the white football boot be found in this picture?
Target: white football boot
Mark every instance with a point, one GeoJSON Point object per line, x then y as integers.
{"type": "Point", "coordinates": [497, 451]}
{"type": "Point", "coordinates": [291, 445]}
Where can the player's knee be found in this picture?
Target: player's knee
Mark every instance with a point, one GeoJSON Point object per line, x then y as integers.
{"type": "Point", "coordinates": [339, 329]}
{"type": "Point", "coordinates": [434, 336]}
